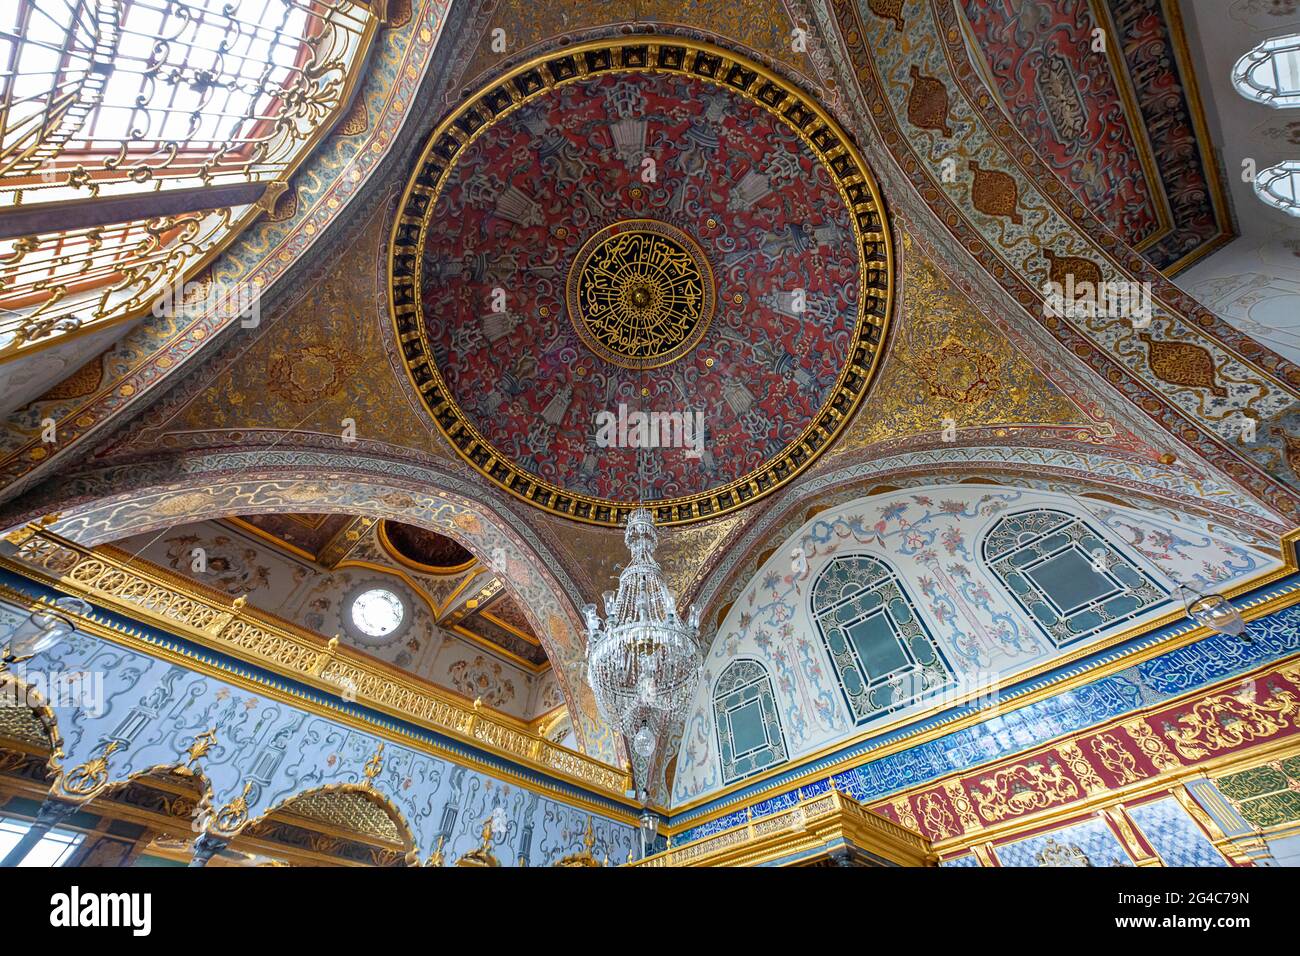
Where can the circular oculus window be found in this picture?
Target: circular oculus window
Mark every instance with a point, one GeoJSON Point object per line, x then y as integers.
{"type": "Point", "coordinates": [377, 612]}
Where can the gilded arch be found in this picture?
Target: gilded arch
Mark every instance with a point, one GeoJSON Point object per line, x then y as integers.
{"type": "Point", "coordinates": [361, 808]}
{"type": "Point", "coordinates": [123, 500]}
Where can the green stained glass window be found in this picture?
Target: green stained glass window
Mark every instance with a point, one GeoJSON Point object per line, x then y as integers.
{"type": "Point", "coordinates": [746, 719]}
{"type": "Point", "coordinates": [1066, 576]}
{"type": "Point", "coordinates": [881, 651]}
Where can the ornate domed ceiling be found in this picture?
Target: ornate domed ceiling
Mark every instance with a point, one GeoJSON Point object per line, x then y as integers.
{"type": "Point", "coordinates": [641, 227]}
{"type": "Point", "coordinates": [422, 549]}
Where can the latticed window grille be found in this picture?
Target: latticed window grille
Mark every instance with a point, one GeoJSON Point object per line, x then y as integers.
{"type": "Point", "coordinates": [748, 725]}
{"type": "Point", "coordinates": [1066, 575]}
{"type": "Point", "coordinates": [1279, 186]}
{"type": "Point", "coordinates": [1270, 73]}
{"type": "Point", "coordinates": [883, 654]}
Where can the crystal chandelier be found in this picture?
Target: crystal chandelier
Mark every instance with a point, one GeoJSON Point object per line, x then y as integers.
{"type": "Point", "coordinates": [643, 661]}
{"type": "Point", "coordinates": [1215, 612]}
{"type": "Point", "coordinates": [45, 627]}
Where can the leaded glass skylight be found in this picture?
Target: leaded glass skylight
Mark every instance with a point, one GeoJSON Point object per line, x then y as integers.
{"type": "Point", "coordinates": [137, 137]}
{"type": "Point", "coordinates": [1279, 186]}
{"type": "Point", "coordinates": [1270, 73]}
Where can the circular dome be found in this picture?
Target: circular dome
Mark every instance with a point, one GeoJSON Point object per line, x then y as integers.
{"type": "Point", "coordinates": [421, 549]}
{"type": "Point", "coordinates": [640, 269]}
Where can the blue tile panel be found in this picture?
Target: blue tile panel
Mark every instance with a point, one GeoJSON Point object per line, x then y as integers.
{"type": "Point", "coordinates": [1091, 843]}
{"type": "Point", "coordinates": [1174, 835]}
{"type": "Point", "coordinates": [1209, 660]}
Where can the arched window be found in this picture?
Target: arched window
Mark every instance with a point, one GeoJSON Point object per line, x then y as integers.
{"type": "Point", "coordinates": [1279, 186]}
{"type": "Point", "coordinates": [1068, 578]}
{"type": "Point", "coordinates": [883, 654]}
{"type": "Point", "coordinates": [749, 729]}
{"type": "Point", "coordinates": [1270, 73]}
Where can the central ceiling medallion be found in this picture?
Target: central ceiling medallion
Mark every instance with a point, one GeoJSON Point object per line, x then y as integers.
{"type": "Point", "coordinates": [643, 269]}
{"type": "Point", "coordinates": [640, 293]}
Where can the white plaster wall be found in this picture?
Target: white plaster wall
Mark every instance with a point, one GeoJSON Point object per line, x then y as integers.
{"type": "Point", "coordinates": [931, 536]}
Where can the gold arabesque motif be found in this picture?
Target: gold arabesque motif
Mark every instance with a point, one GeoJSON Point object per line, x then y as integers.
{"type": "Point", "coordinates": [1226, 721]}
{"type": "Point", "coordinates": [90, 776]}
{"type": "Point", "coordinates": [640, 293]}
{"type": "Point", "coordinates": [482, 854]}
{"type": "Point", "coordinates": [1021, 788]}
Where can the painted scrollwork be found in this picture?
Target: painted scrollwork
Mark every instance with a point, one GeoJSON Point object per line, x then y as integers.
{"type": "Point", "coordinates": [1012, 791]}
{"type": "Point", "coordinates": [1116, 759]}
{"type": "Point", "coordinates": [1226, 721]}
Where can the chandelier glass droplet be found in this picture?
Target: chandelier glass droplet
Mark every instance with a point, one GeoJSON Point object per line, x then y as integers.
{"type": "Point", "coordinates": [1213, 611]}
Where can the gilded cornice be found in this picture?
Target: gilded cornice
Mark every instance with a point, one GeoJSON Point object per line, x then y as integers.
{"type": "Point", "coordinates": [809, 827]}
{"type": "Point", "coordinates": [216, 623]}
{"type": "Point", "coordinates": [125, 499]}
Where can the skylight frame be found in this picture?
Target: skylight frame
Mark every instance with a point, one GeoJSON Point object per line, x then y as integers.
{"type": "Point", "coordinates": [1279, 186]}
{"type": "Point", "coordinates": [259, 135]}
{"type": "Point", "coordinates": [1277, 59]}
